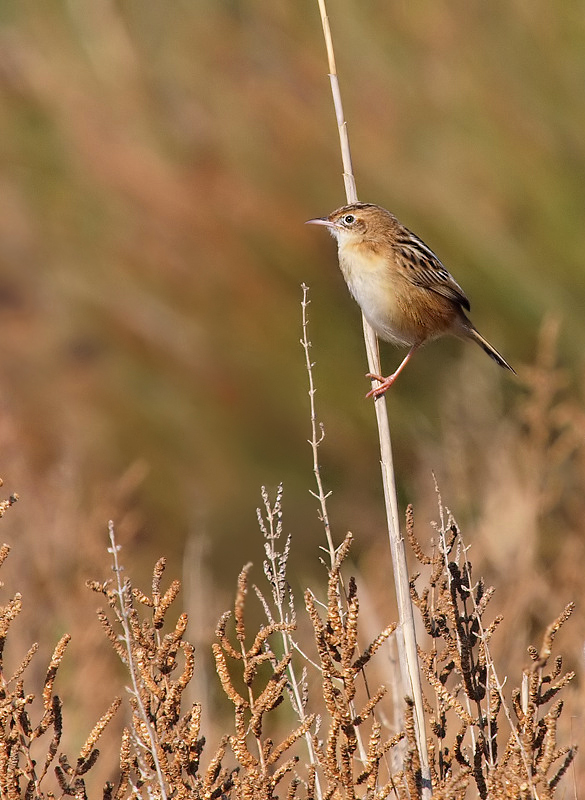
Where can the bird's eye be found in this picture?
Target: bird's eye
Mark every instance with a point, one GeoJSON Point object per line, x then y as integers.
{"type": "Point", "coordinates": [349, 219]}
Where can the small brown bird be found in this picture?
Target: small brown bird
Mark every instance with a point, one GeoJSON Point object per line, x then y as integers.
{"type": "Point", "coordinates": [404, 291]}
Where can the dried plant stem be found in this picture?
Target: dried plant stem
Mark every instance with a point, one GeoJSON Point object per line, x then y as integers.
{"type": "Point", "coordinates": [495, 680]}
{"type": "Point", "coordinates": [121, 591]}
{"type": "Point", "coordinates": [252, 701]}
{"type": "Point", "coordinates": [320, 494]}
{"type": "Point", "coordinates": [348, 177]}
{"type": "Point", "coordinates": [316, 437]}
{"type": "Point", "coordinates": [407, 642]}
{"type": "Point", "coordinates": [272, 530]}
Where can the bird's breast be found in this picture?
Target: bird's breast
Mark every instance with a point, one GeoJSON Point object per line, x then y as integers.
{"type": "Point", "coordinates": [374, 285]}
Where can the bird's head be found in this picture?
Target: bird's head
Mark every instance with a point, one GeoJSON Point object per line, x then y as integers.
{"type": "Point", "coordinates": [356, 222]}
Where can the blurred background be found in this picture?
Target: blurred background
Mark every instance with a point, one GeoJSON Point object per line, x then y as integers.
{"type": "Point", "coordinates": [158, 164]}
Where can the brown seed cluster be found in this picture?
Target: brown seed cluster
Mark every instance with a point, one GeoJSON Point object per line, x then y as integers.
{"type": "Point", "coordinates": [333, 739]}
{"type": "Point", "coordinates": [30, 736]}
{"type": "Point", "coordinates": [506, 749]}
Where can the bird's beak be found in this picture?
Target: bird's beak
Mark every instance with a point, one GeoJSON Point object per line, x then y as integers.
{"type": "Point", "coordinates": [320, 221]}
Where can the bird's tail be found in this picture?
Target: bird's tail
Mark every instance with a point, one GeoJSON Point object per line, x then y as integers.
{"type": "Point", "coordinates": [489, 349]}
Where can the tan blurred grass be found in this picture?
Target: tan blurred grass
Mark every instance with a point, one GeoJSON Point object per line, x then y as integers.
{"type": "Point", "coordinates": [157, 171]}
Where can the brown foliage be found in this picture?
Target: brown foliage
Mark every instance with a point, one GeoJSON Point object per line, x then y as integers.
{"type": "Point", "coordinates": [480, 740]}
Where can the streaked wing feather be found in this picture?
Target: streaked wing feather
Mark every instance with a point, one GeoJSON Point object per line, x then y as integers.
{"type": "Point", "coordinates": [423, 268]}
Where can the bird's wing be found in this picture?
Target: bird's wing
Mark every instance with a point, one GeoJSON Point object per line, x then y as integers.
{"type": "Point", "coordinates": [423, 268]}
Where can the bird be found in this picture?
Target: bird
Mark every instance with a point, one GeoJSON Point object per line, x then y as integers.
{"type": "Point", "coordinates": [404, 291]}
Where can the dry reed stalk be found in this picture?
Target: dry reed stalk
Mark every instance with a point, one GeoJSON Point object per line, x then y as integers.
{"type": "Point", "coordinates": [407, 640]}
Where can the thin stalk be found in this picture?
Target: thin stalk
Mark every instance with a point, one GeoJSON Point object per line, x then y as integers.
{"type": "Point", "coordinates": [121, 592]}
{"type": "Point", "coordinates": [407, 641]}
{"type": "Point", "coordinates": [272, 532]}
{"type": "Point", "coordinates": [316, 438]}
{"type": "Point", "coordinates": [315, 442]}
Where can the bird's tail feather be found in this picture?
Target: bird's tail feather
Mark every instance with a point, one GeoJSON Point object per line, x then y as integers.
{"type": "Point", "coordinates": [489, 349]}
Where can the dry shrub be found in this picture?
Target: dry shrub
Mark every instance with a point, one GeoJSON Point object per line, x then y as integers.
{"type": "Point", "coordinates": [504, 749]}
{"type": "Point", "coordinates": [161, 749]}
{"type": "Point", "coordinates": [334, 740]}
{"type": "Point", "coordinates": [30, 736]}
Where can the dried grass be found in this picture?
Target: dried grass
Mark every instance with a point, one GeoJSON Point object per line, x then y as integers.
{"type": "Point", "coordinates": [307, 723]}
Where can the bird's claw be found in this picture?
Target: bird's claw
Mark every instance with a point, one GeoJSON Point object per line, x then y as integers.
{"type": "Point", "coordinates": [385, 384]}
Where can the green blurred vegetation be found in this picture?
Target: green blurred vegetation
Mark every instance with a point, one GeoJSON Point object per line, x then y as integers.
{"type": "Point", "coordinates": [158, 162]}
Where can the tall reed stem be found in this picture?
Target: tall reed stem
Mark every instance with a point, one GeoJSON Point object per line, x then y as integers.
{"type": "Point", "coordinates": [407, 647]}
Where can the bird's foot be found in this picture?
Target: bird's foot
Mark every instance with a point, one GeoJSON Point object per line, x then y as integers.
{"type": "Point", "coordinates": [385, 384]}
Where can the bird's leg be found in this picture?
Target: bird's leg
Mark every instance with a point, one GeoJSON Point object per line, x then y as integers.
{"type": "Point", "coordinates": [386, 383]}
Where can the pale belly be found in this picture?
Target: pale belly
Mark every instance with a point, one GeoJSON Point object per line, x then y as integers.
{"type": "Point", "coordinates": [380, 299]}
